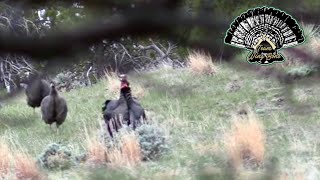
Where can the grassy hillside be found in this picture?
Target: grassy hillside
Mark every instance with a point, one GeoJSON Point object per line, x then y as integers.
{"type": "Point", "coordinates": [214, 117]}
{"type": "Point", "coordinates": [197, 113]}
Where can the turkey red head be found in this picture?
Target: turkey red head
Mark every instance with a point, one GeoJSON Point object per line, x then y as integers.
{"type": "Point", "coordinates": [124, 84]}
{"type": "Point", "coordinates": [124, 81]}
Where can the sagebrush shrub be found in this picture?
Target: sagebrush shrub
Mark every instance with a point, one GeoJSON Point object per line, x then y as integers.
{"type": "Point", "coordinates": [152, 141]}
{"type": "Point", "coordinates": [63, 78]}
{"type": "Point", "coordinates": [56, 156]}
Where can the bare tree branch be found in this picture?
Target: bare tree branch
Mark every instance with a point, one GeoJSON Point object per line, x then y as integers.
{"type": "Point", "coordinates": [125, 50]}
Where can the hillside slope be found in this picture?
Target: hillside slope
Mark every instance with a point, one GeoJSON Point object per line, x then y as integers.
{"type": "Point", "coordinates": [194, 110]}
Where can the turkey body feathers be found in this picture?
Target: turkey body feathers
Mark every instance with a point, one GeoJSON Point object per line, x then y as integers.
{"type": "Point", "coordinates": [36, 91]}
{"type": "Point", "coordinates": [112, 110]}
{"type": "Point", "coordinates": [136, 111]}
{"type": "Point", "coordinates": [129, 108]}
{"type": "Point", "coordinates": [54, 108]}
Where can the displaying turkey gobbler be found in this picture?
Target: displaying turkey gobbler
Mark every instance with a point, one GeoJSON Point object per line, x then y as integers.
{"type": "Point", "coordinates": [54, 108]}
{"type": "Point", "coordinates": [126, 106]}
{"type": "Point", "coordinates": [136, 111]}
{"type": "Point", "coordinates": [113, 110]}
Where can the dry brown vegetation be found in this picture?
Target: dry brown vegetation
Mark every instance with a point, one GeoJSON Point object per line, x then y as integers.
{"type": "Point", "coordinates": [201, 63]}
{"type": "Point", "coordinates": [127, 154]}
{"type": "Point", "coordinates": [113, 82]}
{"type": "Point", "coordinates": [17, 165]}
{"type": "Point", "coordinates": [5, 159]}
{"type": "Point", "coordinates": [138, 91]}
{"type": "Point", "coordinates": [245, 142]}
{"type": "Point", "coordinates": [96, 153]}
{"type": "Point", "coordinates": [25, 168]}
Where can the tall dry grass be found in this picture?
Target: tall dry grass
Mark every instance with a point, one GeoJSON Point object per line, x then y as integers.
{"type": "Point", "coordinates": [201, 63]}
{"type": "Point", "coordinates": [126, 153]}
{"type": "Point", "coordinates": [26, 168]}
{"type": "Point", "coordinates": [113, 82]}
{"type": "Point", "coordinates": [96, 149]}
{"type": "Point", "coordinates": [245, 141]}
{"type": "Point", "coordinates": [96, 153]}
{"type": "Point", "coordinates": [5, 159]}
{"type": "Point", "coordinates": [17, 165]}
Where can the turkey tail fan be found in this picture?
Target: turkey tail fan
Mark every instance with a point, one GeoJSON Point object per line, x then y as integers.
{"type": "Point", "coordinates": [248, 28]}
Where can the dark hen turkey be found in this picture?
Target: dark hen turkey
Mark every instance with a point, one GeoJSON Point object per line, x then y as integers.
{"type": "Point", "coordinates": [54, 108]}
{"type": "Point", "coordinates": [36, 89]}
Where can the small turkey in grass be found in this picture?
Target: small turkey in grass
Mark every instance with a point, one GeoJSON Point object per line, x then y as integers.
{"type": "Point", "coordinates": [54, 108]}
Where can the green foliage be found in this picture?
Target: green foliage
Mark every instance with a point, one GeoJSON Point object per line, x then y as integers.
{"type": "Point", "coordinates": [153, 142]}
{"type": "Point", "coordinates": [64, 78]}
{"type": "Point", "coordinates": [62, 15]}
{"type": "Point", "coordinates": [56, 157]}
{"type": "Point", "coordinates": [68, 80]}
